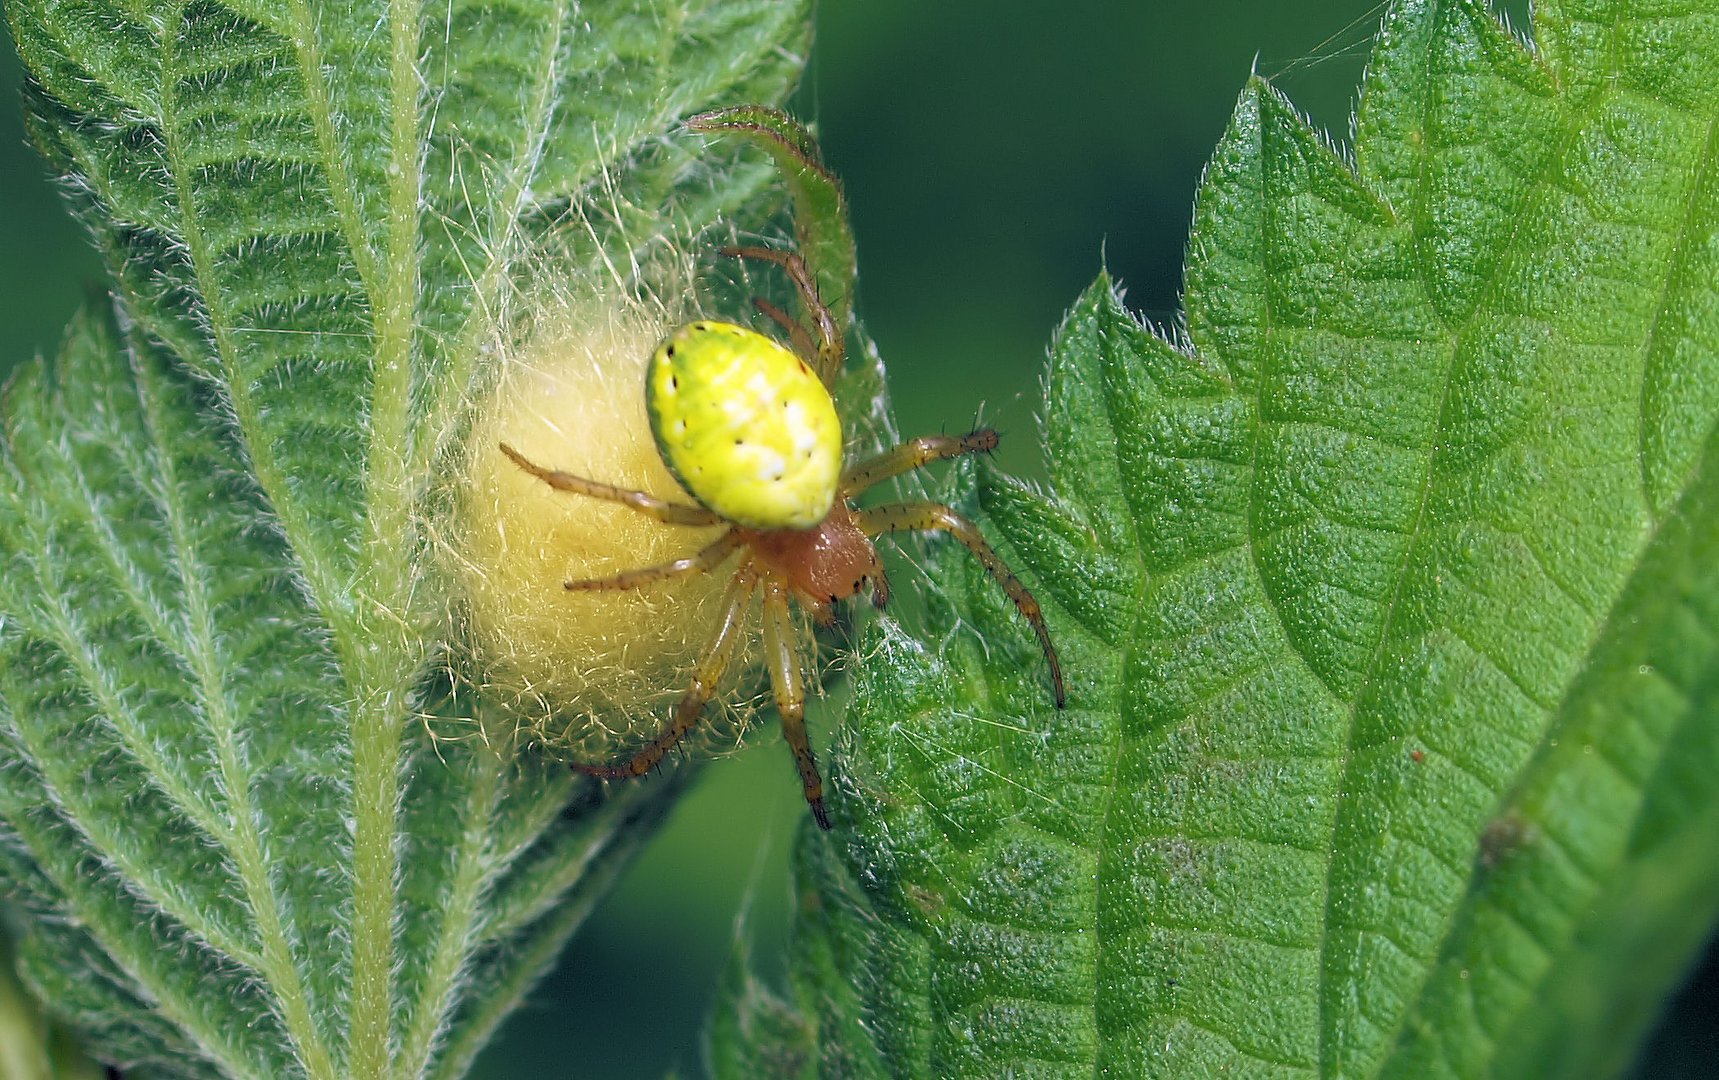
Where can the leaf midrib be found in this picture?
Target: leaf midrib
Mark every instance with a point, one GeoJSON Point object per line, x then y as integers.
{"type": "Point", "coordinates": [1561, 715]}
{"type": "Point", "coordinates": [477, 862]}
{"type": "Point", "coordinates": [1679, 263]}
{"type": "Point", "coordinates": [378, 717]}
{"type": "Point", "coordinates": [1578, 119]}
{"type": "Point", "coordinates": [1329, 1047]}
{"type": "Point", "coordinates": [193, 648]}
{"type": "Point", "coordinates": [1143, 577]}
{"type": "Point", "coordinates": [374, 678]}
{"type": "Point", "coordinates": [279, 964]}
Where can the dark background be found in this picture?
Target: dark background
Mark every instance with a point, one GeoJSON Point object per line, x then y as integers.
{"type": "Point", "coordinates": [995, 156]}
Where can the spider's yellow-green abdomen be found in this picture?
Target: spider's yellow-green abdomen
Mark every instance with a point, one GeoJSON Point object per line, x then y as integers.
{"type": "Point", "coordinates": [745, 425]}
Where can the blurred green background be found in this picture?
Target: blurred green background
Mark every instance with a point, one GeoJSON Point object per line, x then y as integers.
{"type": "Point", "coordinates": [995, 155]}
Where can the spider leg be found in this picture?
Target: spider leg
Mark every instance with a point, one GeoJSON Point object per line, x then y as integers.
{"type": "Point", "coordinates": [666, 512]}
{"type": "Point", "coordinates": [784, 661]}
{"type": "Point", "coordinates": [914, 454]}
{"type": "Point", "coordinates": [935, 517]}
{"type": "Point", "coordinates": [831, 351]}
{"type": "Point", "coordinates": [705, 559]}
{"type": "Point", "coordinates": [706, 675]}
{"type": "Point", "coordinates": [802, 339]}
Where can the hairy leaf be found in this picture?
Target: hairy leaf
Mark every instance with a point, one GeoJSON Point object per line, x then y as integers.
{"type": "Point", "coordinates": [235, 849]}
{"type": "Point", "coordinates": [1387, 600]}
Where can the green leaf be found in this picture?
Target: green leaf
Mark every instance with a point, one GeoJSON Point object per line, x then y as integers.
{"type": "Point", "coordinates": [1387, 601]}
{"type": "Point", "coordinates": [754, 1033]}
{"type": "Point", "coordinates": [235, 847]}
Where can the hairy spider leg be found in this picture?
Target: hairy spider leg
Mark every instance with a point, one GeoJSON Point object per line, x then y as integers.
{"type": "Point", "coordinates": [785, 679]}
{"type": "Point", "coordinates": [705, 559]}
{"type": "Point", "coordinates": [831, 351]}
{"type": "Point", "coordinates": [666, 512]}
{"type": "Point", "coordinates": [802, 338]}
{"type": "Point", "coordinates": [904, 458]}
{"type": "Point", "coordinates": [706, 676]}
{"type": "Point", "coordinates": [713, 662]}
{"type": "Point", "coordinates": [935, 517]}
{"type": "Point", "coordinates": [913, 454]}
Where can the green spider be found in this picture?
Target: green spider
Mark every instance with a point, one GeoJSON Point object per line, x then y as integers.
{"type": "Point", "coordinates": [750, 430]}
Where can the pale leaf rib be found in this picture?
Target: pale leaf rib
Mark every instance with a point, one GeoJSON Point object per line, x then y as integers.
{"type": "Point", "coordinates": [82, 901]}
{"type": "Point", "coordinates": [1229, 1040]}
{"type": "Point", "coordinates": [301, 30]}
{"type": "Point", "coordinates": [323, 582]}
{"type": "Point", "coordinates": [1680, 265]}
{"type": "Point", "coordinates": [1417, 538]}
{"type": "Point", "coordinates": [1263, 579]}
{"type": "Point", "coordinates": [149, 883]}
{"type": "Point", "coordinates": [62, 627]}
{"type": "Point", "coordinates": [279, 961]}
{"type": "Point", "coordinates": [319, 576]}
{"type": "Point", "coordinates": [378, 719]}
{"type": "Point", "coordinates": [463, 917]}
{"type": "Point", "coordinates": [526, 948]}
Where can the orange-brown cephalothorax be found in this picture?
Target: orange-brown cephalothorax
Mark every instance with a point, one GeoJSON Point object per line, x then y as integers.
{"type": "Point", "coordinates": [829, 562]}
